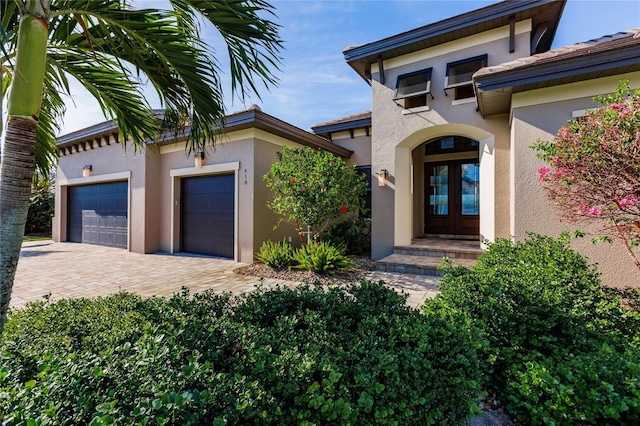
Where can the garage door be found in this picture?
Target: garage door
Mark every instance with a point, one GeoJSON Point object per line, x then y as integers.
{"type": "Point", "coordinates": [97, 214]}
{"type": "Point", "coordinates": [207, 216]}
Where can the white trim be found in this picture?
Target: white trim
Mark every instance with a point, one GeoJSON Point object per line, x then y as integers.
{"type": "Point", "coordinates": [96, 179]}
{"type": "Point", "coordinates": [210, 169]}
{"type": "Point", "coordinates": [231, 137]}
{"type": "Point", "coordinates": [453, 46]}
{"type": "Point", "coordinates": [205, 170]}
{"type": "Point", "coordinates": [174, 203]}
{"type": "Point", "coordinates": [463, 101]}
{"type": "Point", "coordinates": [235, 136]}
{"type": "Point", "coordinates": [579, 89]}
{"type": "Point", "coordinates": [236, 219]}
{"type": "Point", "coordinates": [579, 113]}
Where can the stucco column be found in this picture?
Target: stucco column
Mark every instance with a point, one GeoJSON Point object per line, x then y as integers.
{"type": "Point", "coordinates": [487, 188]}
{"type": "Point", "coordinates": [403, 222]}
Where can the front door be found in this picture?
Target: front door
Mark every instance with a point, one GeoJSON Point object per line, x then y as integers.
{"type": "Point", "coordinates": [452, 197]}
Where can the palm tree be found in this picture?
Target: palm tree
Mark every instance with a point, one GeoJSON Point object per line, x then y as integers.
{"type": "Point", "coordinates": [112, 48]}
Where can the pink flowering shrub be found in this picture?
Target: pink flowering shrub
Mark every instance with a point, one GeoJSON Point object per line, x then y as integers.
{"type": "Point", "coordinates": [593, 172]}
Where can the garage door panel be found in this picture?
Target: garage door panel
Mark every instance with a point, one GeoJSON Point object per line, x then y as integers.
{"type": "Point", "coordinates": [98, 214]}
{"type": "Point", "coordinates": [208, 215]}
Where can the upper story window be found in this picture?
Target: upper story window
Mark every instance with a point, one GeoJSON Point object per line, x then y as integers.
{"type": "Point", "coordinates": [412, 89]}
{"type": "Point", "coordinates": [459, 75]}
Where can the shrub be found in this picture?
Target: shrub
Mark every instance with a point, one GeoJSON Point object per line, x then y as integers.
{"type": "Point", "coordinates": [592, 175]}
{"type": "Point", "coordinates": [41, 207]}
{"type": "Point", "coordinates": [276, 255]}
{"type": "Point", "coordinates": [539, 303]}
{"type": "Point", "coordinates": [597, 387]}
{"type": "Point", "coordinates": [322, 258]}
{"type": "Point", "coordinates": [312, 188]}
{"type": "Point", "coordinates": [354, 355]}
{"type": "Point", "coordinates": [353, 233]}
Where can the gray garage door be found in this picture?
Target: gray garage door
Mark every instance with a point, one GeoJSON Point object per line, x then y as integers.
{"type": "Point", "coordinates": [207, 217]}
{"type": "Point", "coordinates": [97, 214]}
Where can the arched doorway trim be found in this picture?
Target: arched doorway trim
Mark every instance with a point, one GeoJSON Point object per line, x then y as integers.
{"type": "Point", "coordinates": [403, 202]}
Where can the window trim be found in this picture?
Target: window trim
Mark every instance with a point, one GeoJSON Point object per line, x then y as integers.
{"type": "Point", "coordinates": [429, 72]}
{"type": "Point", "coordinates": [460, 62]}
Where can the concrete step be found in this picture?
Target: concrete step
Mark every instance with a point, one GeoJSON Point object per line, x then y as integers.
{"type": "Point", "coordinates": [419, 265]}
{"type": "Point", "coordinates": [441, 251]}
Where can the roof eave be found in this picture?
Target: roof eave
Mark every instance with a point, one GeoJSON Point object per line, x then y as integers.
{"type": "Point", "coordinates": [359, 57]}
{"type": "Point", "coordinates": [252, 118]}
{"type": "Point", "coordinates": [341, 127]}
{"type": "Point", "coordinates": [91, 132]}
{"type": "Point", "coordinates": [513, 81]}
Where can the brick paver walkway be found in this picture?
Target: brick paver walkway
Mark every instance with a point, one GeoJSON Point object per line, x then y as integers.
{"type": "Point", "coordinates": [68, 270]}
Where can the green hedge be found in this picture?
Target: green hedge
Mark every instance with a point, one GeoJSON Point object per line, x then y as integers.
{"type": "Point", "coordinates": [563, 350]}
{"type": "Point", "coordinates": [41, 208]}
{"type": "Point", "coordinates": [356, 355]}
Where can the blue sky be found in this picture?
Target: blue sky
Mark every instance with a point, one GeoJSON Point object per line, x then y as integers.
{"type": "Point", "coordinates": [317, 85]}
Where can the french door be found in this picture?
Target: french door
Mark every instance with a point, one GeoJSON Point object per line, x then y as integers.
{"type": "Point", "coordinates": [452, 195]}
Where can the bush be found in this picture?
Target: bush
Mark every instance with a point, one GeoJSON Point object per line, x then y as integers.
{"type": "Point", "coordinates": [597, 387]}
{"type": "Point", "coordinates": [41, 207]}
{"type": "Point", "coordinates": [312, 188]}
{"type": "Point", "coordinates": [356, 355]}
{"type": "Point", "coordinates": [353, 233]}
{"type": "Point", "coordinates": [322, 258]}
{"type": "Point", "coordinates": [276, 255]}
{"type": "Point", "coordinates": [540, 305]}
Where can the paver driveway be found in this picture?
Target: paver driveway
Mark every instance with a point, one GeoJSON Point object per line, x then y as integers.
{"type": "Point", "coordinates": [68, 270]}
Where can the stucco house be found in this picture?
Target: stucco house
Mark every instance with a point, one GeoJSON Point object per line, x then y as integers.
{"type": "Point", "coordinates": [455, 106]}
{"type": "Point", "coordinates": [161, 200]}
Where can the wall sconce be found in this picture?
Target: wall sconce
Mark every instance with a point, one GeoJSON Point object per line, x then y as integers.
{"type": "Point", "coordinates": [199, 158]}
{"type": "Point", "coordinates": [86, 170]}
{"type": "Point", "coordinates": [383, 176]}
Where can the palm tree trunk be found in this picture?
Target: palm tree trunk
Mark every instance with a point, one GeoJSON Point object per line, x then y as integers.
{"type": "Point", "coordinates": [18, 156]}
{"type": "Point", "coordinates": [16, 171]}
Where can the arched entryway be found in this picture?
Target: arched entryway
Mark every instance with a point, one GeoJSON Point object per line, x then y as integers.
{"type": "Point", "coordinates": [408, 181]}
{"type": "Point", "coordinates": [450, 187]}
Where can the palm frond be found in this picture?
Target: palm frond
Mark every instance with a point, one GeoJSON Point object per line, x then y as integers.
{"type": "Point", "coordinates": [180, 70]}
{"type": "Point", "coordinates": [113, 50]}
{"type": "Point", "coordinates": [253, 41]}
{"type": "Point", "coordinates": [51, 112]}
{"type": "Point", "coordinates": [115, 90]}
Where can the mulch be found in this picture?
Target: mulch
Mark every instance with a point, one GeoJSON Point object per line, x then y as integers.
{"type": "Point", "coordinates": [344, 276]}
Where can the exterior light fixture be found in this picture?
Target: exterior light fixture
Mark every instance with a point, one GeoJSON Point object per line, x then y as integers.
{"type": "Point", "coordinates": [199, 158]}
{"type": "Point", "coordinates": [86, 170]}
{"type": "Point", "coordinates": [383, 175]}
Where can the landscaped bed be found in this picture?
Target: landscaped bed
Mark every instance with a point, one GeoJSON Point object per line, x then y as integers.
{"type": "Point", "coordinates": [310, 355]}
{"type": "Point", "coordinates": [362, 266]}
{"type": "Point", "coordinates": [529, 324]}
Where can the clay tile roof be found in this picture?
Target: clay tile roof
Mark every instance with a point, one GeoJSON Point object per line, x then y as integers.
{"type": "Point", "coordinates": [602, 44]}
{"type": "Point", "coordinates": [364, 115]}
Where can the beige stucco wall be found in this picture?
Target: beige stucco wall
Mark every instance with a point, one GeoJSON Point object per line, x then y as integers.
{"type": "Point", "coordinates": [267, 224]}
{"type": "Point", "coordinates": [360, 144]}
{"type": "Point", "coordinates": [247, 153]}
{"type": "Point", "coordinates": [539, 114]}
{"type": "Point", "coordinates": [154, 188]}
{"type": "Point", "coordinates": [230, 156]}
{"type": "Point", "coordinates": [397, 132]}
{"type": "Point", "coordinates": [110, 163]}
{"type": "Point", "coordinates": [153, 201]}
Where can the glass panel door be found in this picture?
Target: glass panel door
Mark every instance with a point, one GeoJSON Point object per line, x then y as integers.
{"type": "Point", "coordinates": [470, 179]}
{"type": "Point", "coordinates": [452, 195]}
{"type": "Point", "coordinates": [439, 197]}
